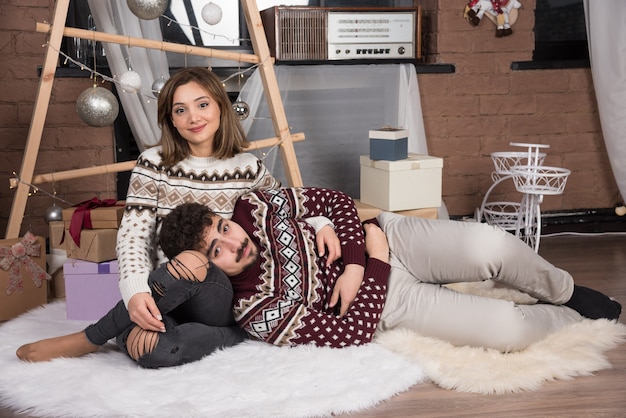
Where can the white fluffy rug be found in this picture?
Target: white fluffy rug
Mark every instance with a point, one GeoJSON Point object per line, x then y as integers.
{"type": "Point", "coordinates": [252, 378]}
{"type": "Point", "coordinates": [262, 380]}
{"type": "Point", "coordinates": [576, 350]}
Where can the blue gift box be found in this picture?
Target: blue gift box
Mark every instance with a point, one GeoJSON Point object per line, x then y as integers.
{"type": "Point", "coordinates": [390, 144]}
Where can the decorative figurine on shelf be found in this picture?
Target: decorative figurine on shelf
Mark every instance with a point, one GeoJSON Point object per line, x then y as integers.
{"type": "Point", "coordinates": [502, 12]}
{"type": "Point", "coordinates": [475, 10]}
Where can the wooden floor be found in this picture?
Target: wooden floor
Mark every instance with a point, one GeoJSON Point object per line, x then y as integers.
{"type": "Point", "coordinates": [594, 261]}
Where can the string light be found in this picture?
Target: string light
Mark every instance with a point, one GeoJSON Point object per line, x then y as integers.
{"type": "Point", "coordinates": [114, 80]}
{"type": "Point", "coordinates": [152, 96]}
{"type": "Point", "coordinates": [37, 189]}
{"type": "Point", "coordinates": [214, 35]}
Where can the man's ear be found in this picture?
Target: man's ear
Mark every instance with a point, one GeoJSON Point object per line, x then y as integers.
{"type": "Point", "coordinates": [203, 245]}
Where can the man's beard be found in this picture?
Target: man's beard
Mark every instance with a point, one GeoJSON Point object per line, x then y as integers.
{"type": "Point", "coordinates": [253, 255]}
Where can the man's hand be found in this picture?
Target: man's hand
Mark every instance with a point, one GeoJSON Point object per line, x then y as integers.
{"type": "Point", "coordinates": [326, 238]}
{"type": "Point", "coordinates": [144, 312]}
{"type": "Point", "coordinates": [376, 243]}
{"type": "Point", "coordinates": [346, 288]}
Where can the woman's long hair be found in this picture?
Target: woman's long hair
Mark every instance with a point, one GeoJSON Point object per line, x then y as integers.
{"type": "Point", "coordinates": [230, 138]}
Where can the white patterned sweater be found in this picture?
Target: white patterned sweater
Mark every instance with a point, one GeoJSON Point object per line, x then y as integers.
{"type": "Point", "coordinates": [154, 190]}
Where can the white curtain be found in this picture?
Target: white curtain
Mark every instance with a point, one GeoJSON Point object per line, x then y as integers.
{"type": "Point", "coordinates": [141, 111]}
{"type": "Point", "coordinates": [606, 34]}
{"type": "Point", "coordinates": [335, 106]}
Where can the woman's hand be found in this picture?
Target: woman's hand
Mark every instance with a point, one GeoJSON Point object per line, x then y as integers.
{"type": "Point", "coordinates": [144, 312]}
{"type": "Point", "coordinates": [346, 288]}
{"type": "Point", "coordinates": [326, 238]}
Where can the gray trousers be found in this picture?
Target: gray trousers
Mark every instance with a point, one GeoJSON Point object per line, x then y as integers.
{"type": "Point", "coordinates": [428, 253]}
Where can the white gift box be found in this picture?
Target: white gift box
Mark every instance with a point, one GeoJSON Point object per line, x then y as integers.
{"type": "Point", "coordinates": [412, 183]}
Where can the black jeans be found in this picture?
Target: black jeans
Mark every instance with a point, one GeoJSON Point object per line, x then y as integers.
{"type": "Point", "coordinates": [198, 319]}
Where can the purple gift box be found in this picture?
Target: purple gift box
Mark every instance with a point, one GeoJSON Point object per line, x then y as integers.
{"type": "Point", "coordinates": [91, 289]}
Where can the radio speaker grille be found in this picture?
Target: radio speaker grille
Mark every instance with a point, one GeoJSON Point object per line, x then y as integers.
{"type": "Point", "coordinates": [302, 35]}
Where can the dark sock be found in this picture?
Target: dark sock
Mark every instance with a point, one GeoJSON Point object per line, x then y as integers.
{"type": "Point", "coordinates": [593, 304]}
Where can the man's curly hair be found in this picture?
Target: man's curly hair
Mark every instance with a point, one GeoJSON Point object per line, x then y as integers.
{"type": "Point", "coordinates": [183, 228]}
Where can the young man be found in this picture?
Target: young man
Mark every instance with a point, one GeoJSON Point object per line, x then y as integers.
{"type": "Point", "coordinates": [286, 294]}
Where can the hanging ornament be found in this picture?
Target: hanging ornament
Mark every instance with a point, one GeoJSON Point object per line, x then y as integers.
{"type": "Point", "coordinates": [53, 213]}
{"type": "Point", "coordinates": [147, 9]}
{"type": "Point", "coordinates": [97, 106]}
{"type": "Point", "coordinates": [157, 86]}
{"type": "Point", "coordinates": [212, 14]}
{"type": "Point", "coordinates": [242, 110]}
{"type": "Point", "coordinates": [130, 81]}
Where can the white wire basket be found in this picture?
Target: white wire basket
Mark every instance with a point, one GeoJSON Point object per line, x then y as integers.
{"type": "Point", "coordinates": [503, 214]}
{"type": "Point", "coordinates": [503, 161]}
{"type": "Point", "coordinates": [541, 180]}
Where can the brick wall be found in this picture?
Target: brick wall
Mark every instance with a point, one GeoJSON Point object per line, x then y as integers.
{"type": "Point", "coordinates": [477, 110]}
{"type": "Point", "coordinates": [485, 105]}
{"type": "Point", "coordinates": [67, 143]}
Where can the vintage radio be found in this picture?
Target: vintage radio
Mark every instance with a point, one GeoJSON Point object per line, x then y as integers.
{"type": "Point", "coordinates": [299, 33]}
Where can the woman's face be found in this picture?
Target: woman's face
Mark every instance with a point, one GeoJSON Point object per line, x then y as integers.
{"type": "Point", "coordinates": [196, 117]}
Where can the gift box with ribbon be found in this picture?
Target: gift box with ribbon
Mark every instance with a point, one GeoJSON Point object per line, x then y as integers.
{"type": "Point", "coordinates": [90, 229]}
{"type": "Point", "coordinates": [96, 245]}
{"type": "Point", "coordinates": [92, 214]}
{"type": "Point", "coordinates": [23, 277]}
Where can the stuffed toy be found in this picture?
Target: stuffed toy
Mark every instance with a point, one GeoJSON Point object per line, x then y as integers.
{"type": "Point", "coordinates": [502, 12]}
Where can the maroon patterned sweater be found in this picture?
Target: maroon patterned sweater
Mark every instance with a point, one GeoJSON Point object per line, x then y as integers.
{"type": "Point", "coordinates": [283, 298]}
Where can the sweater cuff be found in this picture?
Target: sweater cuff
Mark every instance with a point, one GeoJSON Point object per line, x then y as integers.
{"type": "Point", "coordinates": [353, 254]}
{"type": "Point", "coordinates": [379, 270]}
{"type": "Point", "coordinates": [318, 222]}
{"type": "Point", "coordinates": [129, 288]}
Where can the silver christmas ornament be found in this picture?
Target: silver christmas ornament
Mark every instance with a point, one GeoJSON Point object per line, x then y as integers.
{"type": "Point", "coordinates": [53, 213]}
{"type": "Point", "coordinates": [97, 106]}
{"type": "Point", "coordinates": [212, 14]}
{"type": "Point", "coordinates": [157, 86]}
{"type": "Point", "coordinates": [131, 82]}
{"type": "Point", "coordinates": [242, 110]}
{"type": "Point", "coordinates": [147, 9]}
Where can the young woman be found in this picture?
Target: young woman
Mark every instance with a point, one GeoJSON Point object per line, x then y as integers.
{"type": "Point", "coordinates": [200, 159]}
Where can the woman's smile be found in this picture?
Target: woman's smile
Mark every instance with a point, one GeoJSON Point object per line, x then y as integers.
{"type": "Point", "coordinates": [197, 129]}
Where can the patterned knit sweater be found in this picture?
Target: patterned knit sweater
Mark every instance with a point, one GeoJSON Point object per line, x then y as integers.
{"type": "Point", "coordinates": [155, 190]}
{"type": "Point", "coordinates": [283, 298]}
